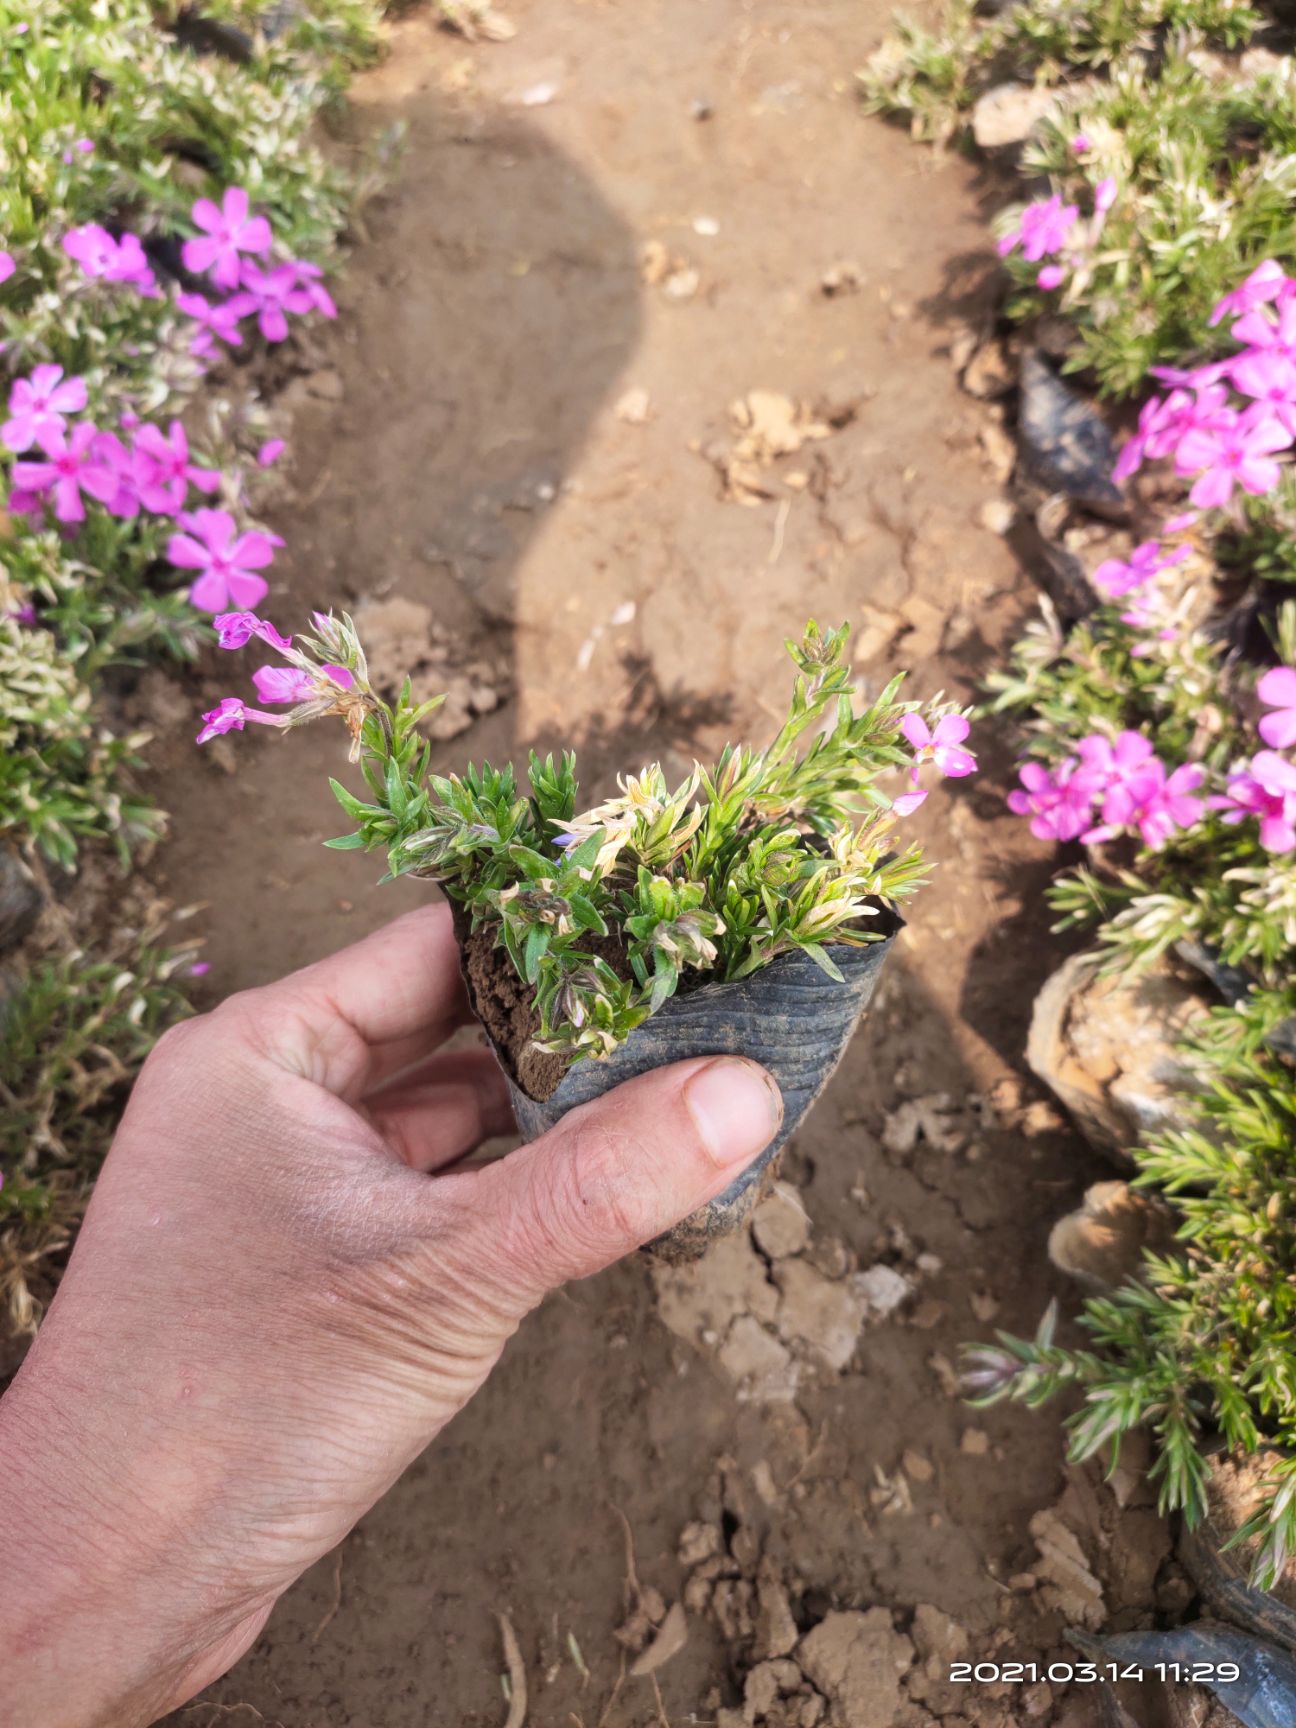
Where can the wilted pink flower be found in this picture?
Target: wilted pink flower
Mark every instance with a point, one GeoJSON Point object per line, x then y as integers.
{"type": "Point", "coordinates": [940, 746]}
{"type": "Point", "coordinates": [908, 802]}
{"type": "Point", "coordinates": [1118, 576]}
{"type": "Point", "coordinates": [1265, 788]}
{"type": "Point", "coordinates": [219, 322]}
{"type": "Point", "coordinates": [1058, 803]}
{"type": "Point", "coordinates": [200, 969]}
{"type": "Point", "coordinates": [1050, 277]}
{"type": "Point", "coordinates": [70, 468]}
{"type": "Point", "coordinates": [270, 452]}
{"type": "Point", "coordinates": [1263, 284]}
{"type": "Point", "coordinates": [81, 147]}
{"type": "Point", "coordinates": [40, 404]}
{"type": "Point", "coordinates": [1080, 143]}
{"type": "Point", "coordinates": [1144, 616]}
{"type": "Point", "coordinates": [1277, 689]}
{"type": "Point", "coordinates": [231, 715]}
{"type": "Point", "coordinates": [98, 254]}
{"type": "Point", "coordinates": [289, 684]}
{"type": "Point", "coordinates": [1043, 228]}
{"type": "Point", "coordinates": [163, 471]}
{"type": "Point", "coordinates": [228, 560]}
{"type": "Point", "coordinates": [235, 629]}
{"type": "Point", "coordinates": [7, 266]}
{"type": "Point", "coordinates": [1239, 452]}
{"type": "Point", "coordinates": [227, 232]}
{"type": "Point", "coordinates": [1105, 195]}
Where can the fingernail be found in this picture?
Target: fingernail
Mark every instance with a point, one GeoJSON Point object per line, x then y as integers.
{"type": "Point", "coordinates": [737, 1108]}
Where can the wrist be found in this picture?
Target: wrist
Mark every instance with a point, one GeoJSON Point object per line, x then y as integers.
{"type": "Point", "coordinates": [104, 1620]}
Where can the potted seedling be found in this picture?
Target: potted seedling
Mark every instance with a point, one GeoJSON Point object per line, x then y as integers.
{"type": "Point", "coordinates": [748, 910]}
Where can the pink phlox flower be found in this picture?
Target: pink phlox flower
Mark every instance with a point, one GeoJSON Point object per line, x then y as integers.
{"type": "Point", "coordinates": [1050, 277]}
{"type": "Point", "coordinates": [1120, 775]}
{"type": "Point", "coordinates": [163, 471]}
{"type": "Point", "coordinates": [1236, 449]}
{"type": "Point", "coordinates": [270, 295]}
{"type": "Point", "coordinates": [940, 745]}
{"type": "Point", "coordinates": [227, 559]}
{"type": "Point", "coordinates": [70, 468]}
{"type": "Point", "coordinates": [219, 322]}
{"type": "Point", "coordinates": [1263, 284]}
{"type": "Point", "coordinates": [1118, 576]}
{"type": "Point", "coordinates": [7, 266]}
{"type": "Point", "coordinates": [40, 404]}
{"type": "Point", "coordinates": [1268, 377]}
{"type": "Point", "coordinates": [1264, 788]}
{"type": "Point", "coordinates": [289, 684]}
{"type": "Point", "coordinates": [227, 233]}
{"type": "Point", "coordinates": [235, 629]}
{"type": "Point", "coordinates": [116, 462]}
{"type": "Point", "coordinates": [311, 294]}
{"type": "Point", "coordinates": [1179, 524]}
{"type": "Point", "coordinates": [1172, 805]}
{"type": "Point", "coordinates": [1059, 803]}
{"type": "Point", "coordinates": [270, 452]}
{"type": "Point", "coordinates": [231, 714]}
{"type": "Point", "coordinates": [1274, 334]}
{"type": "Point", "coordinates": [99, 255]}
{"type": "Point", "coordinates": [1164, 421]}
{"type": "Point", "coordinates": [1277, 690]}
{"type": "Point", "coordinates": [1042, 229]}
{"type": "Point", "coordinates": [1194, 377]}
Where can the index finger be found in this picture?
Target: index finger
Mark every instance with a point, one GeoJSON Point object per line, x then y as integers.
{"type": "Point", "coordinates": [351, 1021]}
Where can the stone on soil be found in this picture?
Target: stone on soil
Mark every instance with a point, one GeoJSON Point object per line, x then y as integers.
{"type": "Point", "coordinates": [857, 1661]}
{"type": "Point", "coordinates": [1008, 113]}
{"type": "Point", "coordinates": [823, 1314]}
{"type": "Point", "coordinates": [780, 1225]}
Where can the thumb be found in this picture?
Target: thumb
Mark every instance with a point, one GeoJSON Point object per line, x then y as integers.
{"type": "Point", "coordinates": [623, 1168]}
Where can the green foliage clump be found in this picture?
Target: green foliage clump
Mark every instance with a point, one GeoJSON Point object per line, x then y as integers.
{"type": "Point", "coordinates": [769, 852]}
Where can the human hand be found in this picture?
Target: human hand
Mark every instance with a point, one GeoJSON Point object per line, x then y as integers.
{"type": "Point", "coordinates": [282, 1291]}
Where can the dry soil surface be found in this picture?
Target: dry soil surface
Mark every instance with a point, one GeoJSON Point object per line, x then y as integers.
{"type": "Point", "coordinates": [521, 443]}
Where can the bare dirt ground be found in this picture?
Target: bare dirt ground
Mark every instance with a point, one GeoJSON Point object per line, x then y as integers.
{"type": "Point", "coordinates": [518, 440]}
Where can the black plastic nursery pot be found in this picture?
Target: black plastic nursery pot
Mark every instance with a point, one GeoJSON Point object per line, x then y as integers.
{"type": "Point", "coordinates": [790, 1017]}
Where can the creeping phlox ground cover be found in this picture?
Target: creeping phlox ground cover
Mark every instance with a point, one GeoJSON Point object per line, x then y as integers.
{"type": "Point", "coordinates": [792, 847]}
{"type": "Point", "coordinates": [164, 213]}
{"type": "Point", "coordinates": [1165, 740]}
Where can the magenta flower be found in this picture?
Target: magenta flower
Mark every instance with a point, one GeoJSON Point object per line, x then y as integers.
{"type": "Point", "coordinates": [1228, 455]}
{"type": "Point", "coordinates": [1105, 195]}
{"type": "Point", "coordinates": [1275, 335]}
{"type": "Point", "coordinates": [1118, 576]}
{"type": "Point", "coordinates": [312, 295]}
{"type": "Point", "coordinates": [270, 452]}
{"type": "Point", "coordinates": [288, 684]}
{"type": "Point", "coordinates": [1042, 229]}
{"type": "Point", "coordinates": [99, 255]}
{"type": "Point", "coordinates": [1058, 803]}
{"type": "Point", "coordinates": [227, 559]}
{"type": "Point", "coordinates": [941, 746]}
{"type": "Point", "coordinates": [163, 471]}
{"type": "Point", "coordinates": [1080, 143]}
{"type": "Point", "coordinates": [1265, 788]}
{"type": "Point", "coordinates": [905, 804]}
{"type": "Point", "coordinates": [271, 295]}
{"type": "Point", "coordinates": [1277, 690]}
{"type": "Point", "coordinates": [40, 404]}
{"type": "Point", "coordinates": [1172, 805]}
{"type": "Point", "coordinates": [1263, 284]}
{"type": "Point", "coordinates": [227, 232]}
{"type": "Point", "coordinates": [7, 266]}
{"type": "Point", "coordinates": [231, 715]}
{"type": "Point", "coordinates": [1050, 277]}
{"type": "Point", "coordinates": [117, 462]}
{"type": "Point", "coordinates": [1267, 376]}
{"type": "Point", "coordinates": [1121, 776]}
{"type": "Point", "coordinates": [235, 629]}
{"type": "Point", "coordinates": [1165, 421]}
{"type": "Point", "coordinates": [71, 467]}
{"type": "Point", "coordinates": [218, 322]}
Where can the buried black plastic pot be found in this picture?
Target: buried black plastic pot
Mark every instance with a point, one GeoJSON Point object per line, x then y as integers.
{"type": "Point", "coordinates": [790, 1017]}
